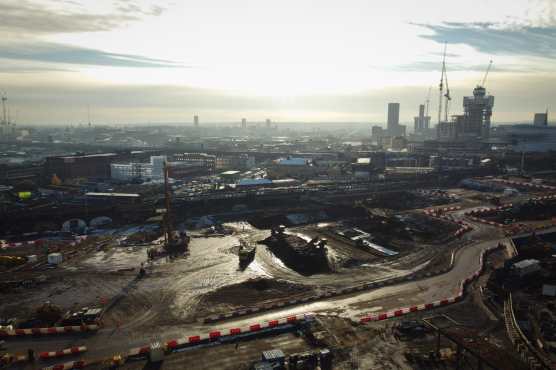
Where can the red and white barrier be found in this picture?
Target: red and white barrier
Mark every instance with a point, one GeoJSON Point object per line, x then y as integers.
{"type": "Point", "coordinates": [526, 184]}
{"type": "Point", "coordinates": [215, 334]}
{"type": "Point", "coordinates": [38, 242]}
{"type": "Point", "coordinates": [443, 302]}
{"type": "Point", "coordinates": [47, 331]}
{"type": "Point", "coordinates": [67, 366]}
{"type": "Point", "coordinates": [64, 352]}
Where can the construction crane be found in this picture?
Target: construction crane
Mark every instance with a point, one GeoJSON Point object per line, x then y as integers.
{"type": "Point", "coordinates": [483, 81]}
{"type": "Point", "coordinates": [168, 229]}
{"type": "Point", "coordinates": [174, 242]}
{"type": "Point", "coordinates": [441, 85]}
{"type": "Point", "coordinates": [447, 96]}
{"type": "Point", "coordinates": [427, 102]}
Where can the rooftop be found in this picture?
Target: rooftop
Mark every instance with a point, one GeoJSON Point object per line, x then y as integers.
{"type": "Point", "coordinates": [292, 161]}
{"type": "Point", "coordinates": [115, 195]}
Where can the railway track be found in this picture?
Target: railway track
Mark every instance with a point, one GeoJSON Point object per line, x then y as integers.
{"type": "Point", "coordinates": [529, 354]}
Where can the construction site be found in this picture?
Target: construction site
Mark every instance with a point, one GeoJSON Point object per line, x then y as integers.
{"type": "Point", "coordinates": [394, 280]}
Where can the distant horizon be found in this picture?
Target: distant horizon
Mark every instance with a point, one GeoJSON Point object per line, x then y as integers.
{"type": "Point", "coordinates": [236, 124]}
{"type": "Point", "coordinates": [147, 61]}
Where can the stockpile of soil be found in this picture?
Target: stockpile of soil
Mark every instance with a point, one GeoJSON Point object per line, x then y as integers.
{"type": "Point", "coordinates": [254, 291]}
{"type": "Point", "coordinates": [299, 255]}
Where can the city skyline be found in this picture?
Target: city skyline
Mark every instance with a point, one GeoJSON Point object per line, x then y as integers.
{"type": "Point", "coordinates": [144, 61]}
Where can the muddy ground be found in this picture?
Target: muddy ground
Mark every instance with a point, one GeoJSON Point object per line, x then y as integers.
{"type": "Point", "coordinates": [180, 290]}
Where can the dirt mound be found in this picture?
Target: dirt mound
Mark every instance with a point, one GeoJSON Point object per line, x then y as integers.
{"type": "Point", "coordinates": [253, 292]}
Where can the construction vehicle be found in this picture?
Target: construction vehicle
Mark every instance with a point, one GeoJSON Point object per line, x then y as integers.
{"type": "Point", "coordinates": [175, 242]}
{"type": "Point", "coordinates": [246, 254]}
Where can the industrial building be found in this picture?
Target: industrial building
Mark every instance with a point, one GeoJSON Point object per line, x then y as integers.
{"type": "Point", "coordinates": [202, 160]}
{"type": "Point", "coordinates": [154, 170]}
{"type": "Point", "coordinates": [80, 166]}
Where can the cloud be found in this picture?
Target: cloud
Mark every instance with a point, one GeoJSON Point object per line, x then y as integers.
{"type": "Point", "coordinates": [47, 52]}
{"type": "Point", "coordinates": [27, 17]}
{"type": "Point", "coordinates": [498, 39]}
{"type": "Point", "coordinates": [436, 66]}
{"type": "Point", "coordinates": [30, 69]}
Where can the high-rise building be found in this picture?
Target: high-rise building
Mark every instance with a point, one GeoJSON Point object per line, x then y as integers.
{"type": "Point", "coordinates": [196, 121]}
{"type": "Point", "coordinates": [477, 111]}
{"type": "Point", "coordinates": [541, 119]}
{"type": "Point", "coordinates": [243, 123]}
{"type": "Point", "coordinates": [268, 123]}
{"type": "Point", "coordinates": [421, 122]}
{"type": "Point", "coordinates": [420, 119]}
{"type": "Point", "coordinates": [393, 118]}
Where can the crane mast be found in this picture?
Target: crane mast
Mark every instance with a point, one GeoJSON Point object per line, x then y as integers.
{"type": "Point", "coordinates": [441, 85]}
{"type": "Point", "coordinates": [167, 217]}
{"type": "Point", "coordinates": [448, 98]}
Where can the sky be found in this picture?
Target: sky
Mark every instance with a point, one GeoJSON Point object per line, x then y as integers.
{"type": "Point", "coordinates": [138, 61]}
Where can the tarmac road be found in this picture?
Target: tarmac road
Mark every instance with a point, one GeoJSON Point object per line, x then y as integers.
{"type": "Point", "coordinates": [109, 341]}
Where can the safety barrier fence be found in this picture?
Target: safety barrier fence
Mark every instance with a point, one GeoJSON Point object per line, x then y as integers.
{"type": "Point", "coordinates": [331, 293]}
{"type": "Point", "coordinates": [48, 331]}
{"type": "Point", "coordinates": [427, 306]}
{"type": "Point", "coordinates": [526, 184]}
{"type": "Point", "coordinates": [38, 242]}
{"type": "Point", "coordinates": [215, 335]}
{"type": "Point", "coordinates": [62, 353]}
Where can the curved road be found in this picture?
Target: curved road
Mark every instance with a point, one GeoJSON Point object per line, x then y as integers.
{"type": "Point", "coordinates": [109, 341]}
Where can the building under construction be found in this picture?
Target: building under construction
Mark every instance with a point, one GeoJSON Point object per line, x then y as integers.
{"type": "Point", "coordinates": [477, 112]}
{"type": "Point", "coordinates": [474, 123]}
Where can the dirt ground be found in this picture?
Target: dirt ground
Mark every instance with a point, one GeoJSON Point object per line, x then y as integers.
{"type": "Point", "coordinates": [250, 293]}
{"type": "Point", "coordinates": [404, 200]}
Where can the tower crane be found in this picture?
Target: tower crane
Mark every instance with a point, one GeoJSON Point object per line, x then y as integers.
{"type": "Point", "coordinates": [483, 81]}
{"type": "Point", "coordinates": [447, 96]}
{"type": "Point", "coordinates": [441, 85]}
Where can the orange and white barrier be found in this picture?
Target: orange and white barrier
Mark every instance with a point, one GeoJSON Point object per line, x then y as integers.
{"type": "Point", "coordinates": [47, 331]}
{"type": "Point", "coordinates": [64, 352]}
